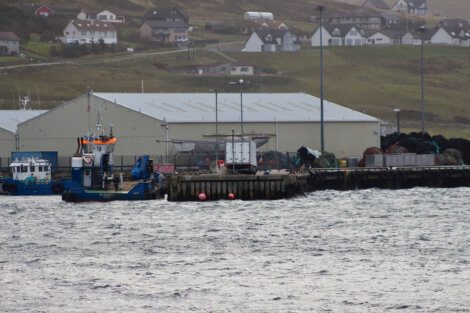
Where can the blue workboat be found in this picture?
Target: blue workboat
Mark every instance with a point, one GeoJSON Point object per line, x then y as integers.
{"type": "Point", "coordinates": [93, 177]}
{"type": "Point", "coordinates": [31, 177]}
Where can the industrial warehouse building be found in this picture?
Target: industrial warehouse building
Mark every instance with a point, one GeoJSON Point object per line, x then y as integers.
{"type": "Point", "coordinates": [144, 122]}
{"type": "Point", "coordinates": [9, 120]}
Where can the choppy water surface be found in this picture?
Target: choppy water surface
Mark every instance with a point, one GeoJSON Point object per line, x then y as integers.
{"type": "Point", "coordinates": [359, 251]}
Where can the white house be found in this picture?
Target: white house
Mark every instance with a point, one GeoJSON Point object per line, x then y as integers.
{"type": "Point", "coordinates": [241, 69]}
{"type": "Point", "coordinates": [327, 38]}
{"type": "Point", "coordinates": [410, 39]}
{"type": "Point", "coordinates": [87, 32]}
{"type": "Point", "coordinates": [272, 40]}
{"type": "Point", "coordinates": [451, 32]}
{"type": "Point", "coordinates": [339, 35]}
{"type": "Point", "coordinates": [104, 15]}
{"type": "Point", "coordinates": [380, 38]}
{"type": "Point", "coordinates": [413, 7]}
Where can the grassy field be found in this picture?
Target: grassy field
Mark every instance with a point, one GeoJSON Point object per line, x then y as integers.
{"type": "Point", "coordinates": [374, 80]}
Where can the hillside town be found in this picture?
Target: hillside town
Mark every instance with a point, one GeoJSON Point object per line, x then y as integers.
{"type": "Point", "coordinates": [234, 156]}
{"type": "Point", "coordinates": [373, 23]}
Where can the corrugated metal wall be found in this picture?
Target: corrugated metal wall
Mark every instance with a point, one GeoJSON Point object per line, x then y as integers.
{"type": "Point", "coordinates": [137, 133]}
{"type": "Point", "coordinates": [7, 143]}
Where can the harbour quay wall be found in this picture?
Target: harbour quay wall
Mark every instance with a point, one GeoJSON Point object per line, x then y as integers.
{"type": "Point", "coordinates": [244, 187]}
{"type": "Point", "coordinates": [279, 186]}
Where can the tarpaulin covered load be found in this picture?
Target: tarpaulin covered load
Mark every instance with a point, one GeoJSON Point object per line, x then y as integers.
{"type": "Point", "coordinates": [420, 143]}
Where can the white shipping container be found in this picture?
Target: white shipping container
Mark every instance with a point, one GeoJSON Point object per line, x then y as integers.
{"type": "Point", "coordinates": [374, 160]}
{"type": "Point", "coordinates": [244, 153]}
{"type": "Point", "coordinates": [425, 160]}
{"type": "Point", "coordinates": [400, 160]}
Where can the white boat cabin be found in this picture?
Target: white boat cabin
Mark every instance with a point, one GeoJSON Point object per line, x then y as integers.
{"type": "Point", "coordinates": [31, 168]}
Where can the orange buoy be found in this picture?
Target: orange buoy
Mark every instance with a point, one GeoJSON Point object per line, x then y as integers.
{"type": "Point", "coordinates": [231, 196]}
{"type": "Point", "coordinates": [202, 196]}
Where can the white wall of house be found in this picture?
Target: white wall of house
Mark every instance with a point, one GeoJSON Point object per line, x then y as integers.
{"type": "Point", "coordinates": [72, 34]}
{"type": "Point", "coordinates": [409, 39]}
{"type": "Point", "coordinates": [106, 15]}
{"type": "Point", "coordinates": [269, 47]}
{"type": "Point", "coordinates": [289, 42]}
{"type": "Point", "coordinates": [379, 39]}
{"type": "Point", "coordinates": [81, 16]}
{"type": "Point", "coordinates": [442, 37]}
{"type": "Point", "coordinates": [253, 44]}
{"type": "Point", "coordinates": [315, 40]}
{"type": "Point", "coordinates": [9, 47]}
{"type": "Point", "coordinates": [354, 38]}
{"type": "Point", "coordinates": [241, 70]}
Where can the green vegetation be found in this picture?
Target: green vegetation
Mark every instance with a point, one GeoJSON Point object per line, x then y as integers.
{"type": "Point", "coordinates": [374, 80]}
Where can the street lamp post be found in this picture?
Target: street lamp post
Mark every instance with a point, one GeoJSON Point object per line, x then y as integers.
{"type": "Point", "coordinates": [240, 83]}
{"type": "Point", "coordinates": [216, 91]}
{"type": "Point", "coordinates": [397, 111]}
{"type": "Point", "coordinates": [165, 125]}
{"type": "Point", "coordinates": [422, 29]}
{"type": "Point", "coordinates": [321, 8]}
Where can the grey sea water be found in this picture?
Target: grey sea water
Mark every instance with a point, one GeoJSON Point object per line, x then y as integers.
{"type": "Point", "coordinates": [358, 251]}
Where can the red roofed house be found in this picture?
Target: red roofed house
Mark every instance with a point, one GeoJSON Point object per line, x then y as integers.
{"type": "Point", "coordinates": [43, 10]}
{"type": "Point", "coordinates": [9, 43]}
{"type": "Point", "coordinates": [86, 32]}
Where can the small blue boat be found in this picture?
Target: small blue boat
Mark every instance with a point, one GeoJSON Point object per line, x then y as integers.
{"type": "Point", "coordinates": [93, 177]}
{"type": "Point", "coordinates": [31, 177]}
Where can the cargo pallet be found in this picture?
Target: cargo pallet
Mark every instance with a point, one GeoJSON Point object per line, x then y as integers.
{"type": "Point", "coordinates": [280, 186]}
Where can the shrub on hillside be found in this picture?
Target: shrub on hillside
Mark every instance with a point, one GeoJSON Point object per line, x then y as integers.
{"type": "Point", "coordinates": [75, 50]}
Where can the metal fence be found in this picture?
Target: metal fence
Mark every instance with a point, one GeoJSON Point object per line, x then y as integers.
{"type": "Point", "coordinates": [182, 162]}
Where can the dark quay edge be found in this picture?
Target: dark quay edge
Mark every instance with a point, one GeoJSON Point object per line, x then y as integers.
{"type": "Point", "coordinates": [186, 187]}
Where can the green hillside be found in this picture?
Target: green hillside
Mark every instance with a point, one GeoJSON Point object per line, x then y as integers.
{"type": "Point", "coordinates": [374, 80]}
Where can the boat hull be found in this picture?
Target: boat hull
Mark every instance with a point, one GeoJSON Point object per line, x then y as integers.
{"type": "Point", "coordinates": [15, 187]}
{"type": "Point", "coordinates": [142, 191]}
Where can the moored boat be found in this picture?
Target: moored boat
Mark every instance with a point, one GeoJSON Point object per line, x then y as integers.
{"type": "Point", "coordinates": [93, 177]}
{"type": "Point", "coordinates": [31, 177]}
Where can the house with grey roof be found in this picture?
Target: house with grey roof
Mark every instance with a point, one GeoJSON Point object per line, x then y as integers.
{"type": "Point", "coordinates": [451, 32]}
{"type": "Point", "coordinates": [365, 19]}
{"type": "Point", "coordinates": [165, 25]}
{"type": "Point", "coordinates": [272, 40]}
{"type": "Point", "coordinates": [376, 4]}
{"type": "Point", "coordinates": [339, 35]}
{"type": "Point", "coordinates": [168, 14]}
{"type": "Point", "coordinates": [413, 7]}
{"type": "Point", "coordinates": [9, 43]}
{"type": "Point", "coordinates": [391, 20]}
{"type": "Point", "coordinates": [393, 37]}
{"type": "Point", "coordinates": [89, 32]}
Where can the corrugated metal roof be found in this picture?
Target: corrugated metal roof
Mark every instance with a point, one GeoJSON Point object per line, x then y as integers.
{"type": "Point", "coordinates": [9, 119]}
{"type": "Point", "coordinates": [257, 107]}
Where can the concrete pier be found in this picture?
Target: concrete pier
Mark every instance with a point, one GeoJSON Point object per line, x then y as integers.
{"type": "Point", "coordinates": [278, 186]}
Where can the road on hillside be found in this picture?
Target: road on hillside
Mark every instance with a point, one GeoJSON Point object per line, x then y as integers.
{"type": "Point", "coordinates": [213, 48]}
